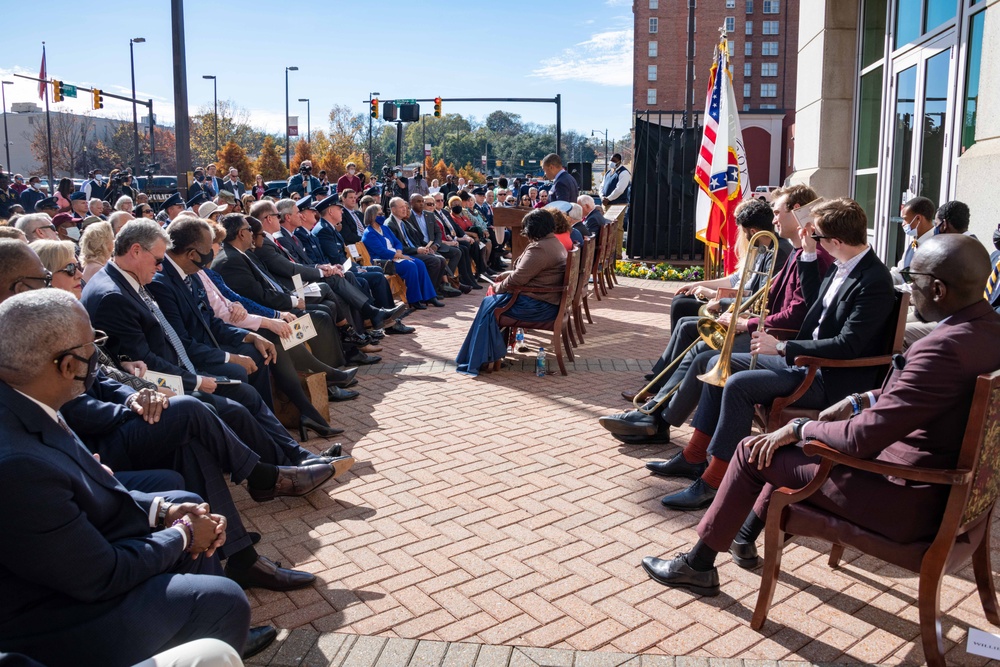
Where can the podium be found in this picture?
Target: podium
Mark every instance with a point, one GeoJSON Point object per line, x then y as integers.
{"type": "Point", "coordinates": [510, 217]}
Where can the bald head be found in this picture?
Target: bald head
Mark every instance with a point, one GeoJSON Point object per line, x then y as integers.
{"type": "Point", "coordinates": [950, 272]}
{"type": "Point", "coordinates": [18, 261]}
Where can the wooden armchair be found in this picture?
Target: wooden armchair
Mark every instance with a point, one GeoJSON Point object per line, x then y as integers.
{"type": "Point", "coordinates": [359, 253]}
{"type": "Point", "coordinates": [586, 264]}
{"type": "Point", "coordinates": [964, 532]}
{"type": "Point", "coordinates": [597, 271]}
{"type": "Point", "coordinates": [781, 411]}
{"type": "Point", "coordinates": [560, 325]}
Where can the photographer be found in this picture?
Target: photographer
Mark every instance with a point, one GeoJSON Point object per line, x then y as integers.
{"type": "Point", "coordinates": [400, 186]}
{"type": "Point", "coordinates": [303, 182]}
{"type": "Point", "coordinates": [417, 185]}
{"type": "Point", "coordinates": [119, 185]}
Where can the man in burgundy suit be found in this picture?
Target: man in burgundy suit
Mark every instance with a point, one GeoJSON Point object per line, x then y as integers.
{"type": "Point", "coordinates": [918, 418]}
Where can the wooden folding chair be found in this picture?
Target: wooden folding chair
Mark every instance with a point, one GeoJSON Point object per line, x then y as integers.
{"type": "Point", "coordinates": [359, 253]}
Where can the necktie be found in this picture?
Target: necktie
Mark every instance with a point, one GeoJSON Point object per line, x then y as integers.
{"type": "Point", "coordinates": [198, 292]}
{"type": "Point", "coordinates": [991, 284]}
{"type": "Point", "coordinates": [402, 228]}
{"type": "Point", "coordinates": [261, 274]}
{"type": "Point", "coordinates": [172, 337]}
{"type": "Point", "coordinates": [357, 222]}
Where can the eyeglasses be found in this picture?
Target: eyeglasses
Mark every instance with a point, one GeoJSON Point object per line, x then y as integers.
{"type": "Point", "coordinates": [817, 237]}
{"type": "Point", "coordinates": [52, 227]}
{"type": "Point", "coordinates": [70, 269]}
{"type": "Point", "coordinates": [46, 280]}
{"type": "Point", "coordinates": [100, 338]}
{"type": "Point", "coordinates": [271, 215]}
{"type": "Point", "coordinates": [159, 260]}
{"type": "Point", "coordinates": [907, 275]}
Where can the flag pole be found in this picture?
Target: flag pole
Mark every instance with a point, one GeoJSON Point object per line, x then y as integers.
{"type": "Point", "coordinates": [48, 124]}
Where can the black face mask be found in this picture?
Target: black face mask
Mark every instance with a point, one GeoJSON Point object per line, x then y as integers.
{"type": "Point", "coordinates": [996, 239]}
{"type": "Point", "coordinates": [91, 376]}
{"type": "Point", "coordinates": [306, 170]}
{"type": "Point", "coordinates": [204, 260]}
{"type": "Point", "coordinates": [457, 210]}
{"type": "Point", "coordinates": [199, 178]}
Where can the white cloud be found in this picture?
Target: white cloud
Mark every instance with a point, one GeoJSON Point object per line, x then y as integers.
{"type": "Point", "coordinates": [618, 3]}
{"type": "Point", "coordinates": [605, 59]}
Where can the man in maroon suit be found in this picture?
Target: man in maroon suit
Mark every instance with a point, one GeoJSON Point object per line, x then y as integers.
{"type": "Point", "coordinates": [918, 418]}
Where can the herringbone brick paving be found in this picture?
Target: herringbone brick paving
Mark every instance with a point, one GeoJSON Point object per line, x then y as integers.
{"type": "Point", "coordinates": [495, 511]}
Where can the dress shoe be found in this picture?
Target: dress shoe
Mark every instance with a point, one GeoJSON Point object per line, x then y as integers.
{"type": "Point", "coordinates": [254, 536]}
{"type": "Point", "coordinates": [351, 337]}
{"type": "Point", "coordinates": [307, 424]}
{"type": "Point", "coordinates": [437, 303]}
{"type": "Point", "coordinates": [476, 285]}
{"type": "Point", "coordinates": [677, 573]}
{"type": "Point", "coordinates": [649, 376]}
{"type": "Point", "coordinates": [342, 378]}
{"type": "Point", "coordinates": [376, 335]}
{"type": "Point", "coordinates": [635, 428]}
{"type": "Point", "coordinates": [399, 328]}
{"type": "Point", "coordinates": [370, 348]}
{"type": "Point", "coordinates": [630, 395]}
{"type": "Point", "coordinates": [339, 394]}
{"type": "Point", "coordinates": [449, 291]}
{"type": "Point", "coordinates": [363, 359]}
{"type": "Point", "coordinates": [678, 466]}
{"type": "Point", "coordinates": [465, 289]}
{"type": "Point", "coordinates": [258, 640]}
{"type": "Point", "coordinates": [341, 464]}
{"type": "Point", "coordinates": [266, 573]}
{"type": "Point", "coordinates": [418, 305]}
{"type": "Point", "coordinates": [382, 315]}
{"type": "Point", "coordinates": [294, 481]}
{"type": "Point", "coordinates": [696, 497]}
{"type": "Point", "coordinates": [745, 555]}
{"type": "Point", "coordinates": [333, 451]}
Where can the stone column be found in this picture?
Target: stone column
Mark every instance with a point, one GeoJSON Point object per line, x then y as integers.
{"type": "Point", "coordinates": [825, 87]}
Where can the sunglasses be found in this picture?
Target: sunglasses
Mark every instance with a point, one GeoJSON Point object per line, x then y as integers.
{"type": "Point", "coordinates": [70, 269]}
{"type": "Point", "coordinates": [817, 237]}
{"type": "Point", "coordinates": [907, 275]}
{"type": "Point", "coordinates": [158, 260]}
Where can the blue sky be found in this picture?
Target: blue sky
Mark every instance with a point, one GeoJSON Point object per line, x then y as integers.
{"type": "Point", "coordinates": [420, 48]}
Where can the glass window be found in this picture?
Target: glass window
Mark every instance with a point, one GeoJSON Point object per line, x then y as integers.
{"type": "Point", "coordinates": [768, 90]}
{"type": "Point", "coordinates": [652, 49]}
{"type": "Point", "coordinates": [731, 48]}
{"type": "Point", "coordinates": [907, 21]}
{"type": "Point", "coordinates": [654, 4]}
{"type": "Point", "coordinates": [769, 69]}
{"type": "Point", "coordinates": [730, 23]}
{"type": "Point", "coordinates": [747, 70]}
{"type": "Point", "coordinates": [771, 6]}
{"type": "Point", "coordinates": [730, 4]}
{"type": "Point", "coordinates": [768, 27]}
{"type": "Point", "coordinates": [748, 49]}
{"type": "Point", "coordinates": [651, 96]}
{"type": "Point", "coordinates": [746, 107]}
{"type": "Point", "coordinates": [938, 12]}
{"type": "Point", "coordinates": [869, 119]}
{"type": "Point", "coordinates": [747, 91]}
{"type": "Point", "coordinates": [768, 106]}
{"type": "Point", "coordinates": [873, 32]}
{"type": "Point", "coordinates": [899, 182]}
{"type": "Point", "coordinates": [694, 24]}
{"type": "Point", "coordinates": [749, 6]}
{"type": "Point", "coordinates": [864, 194]}
{"type": "Point", "coordinates": [653, 25]}
{"type": "Point", "coordinates": [933, 127]}
{"type": "Point", "coordinates": [651, 73]}
{"type": "Point", "coordinates": [972, 80]}
{"type": "Point", "coordinates": [769, 49]}
{"type": "Point", "coordinates": [749, 28]}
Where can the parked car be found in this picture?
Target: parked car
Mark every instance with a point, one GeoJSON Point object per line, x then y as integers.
{"type": "Point", "coordinates": [764, 192]}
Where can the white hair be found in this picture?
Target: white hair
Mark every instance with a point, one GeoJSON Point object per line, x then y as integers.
{"type": "Point", "coordinates": [144, 232]}
{"type": "Point", "coordinates": [122, 201]}
{"type": "Point", "coordinates": [33, 330]}
{"type": "Point", "coordinates": [29, 223]}
{"type": "Point", "coordinates": [586, 201]}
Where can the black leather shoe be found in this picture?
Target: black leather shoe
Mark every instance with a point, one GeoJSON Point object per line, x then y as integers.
{"type": "Point", "coordinates": [677, 573]}
{"type": "Point", "coordinates": [363, 359]}
{"type": "Point", "coordinates": [449, 291]}
{"type": "Point", "coordinates": [465, 289]}
{"type": "Point", "coordinates": [333, 451]}
{"type": "Point", "coordinates": [635, 428]}
{"type": "Point", "coordinates": [254, 537]}
{"type": "Point", "coordinates": [258, 640]}
{"type": "Point", "coordinates": [476, 285]}
{"type": "Point", "coordinates": [383, 315]}
{"type": "Point", "coordinates": [696, 497]}
{"type": "Point", "coordinates": [266, 573]}
{"type": "Point", "coordinates": [294, 481]}
{"type": "Point", "coordinates": [337, 394]}
{"type": "Point", "coordinates": [630, 395]}
{"type": "Point", "coordinates": [745, 555]}
{"type": "Point", "coordinates": [437, 303]}
{"type": "Point", "coordinates": [342, 378]}
{"type": "Point", "coordinates": [678, 466]}
{"type": "Point", "coordinates": [399, 328]}
{"type": "Point", "coordinates": [376, 334]}
{"type": "Point", "coordinates": [322, 430]}
{"type": "Point", "coordinates": [418, 305]}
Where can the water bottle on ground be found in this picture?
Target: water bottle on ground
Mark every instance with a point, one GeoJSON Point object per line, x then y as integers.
{"type": "Point", "coordinates": [519, 337]}
{"type": "Point", "coordinates": [540, 363]}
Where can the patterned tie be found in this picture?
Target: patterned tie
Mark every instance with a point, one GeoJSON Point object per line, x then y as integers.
{"type": "Point", "coordinates": [175, 340]}
{"type": "Point", "coordinates": [357, 222]}
{"type": "Point", "coordinates": [991, 284]}
{"type": "Point", "coordinates": [261, 274]}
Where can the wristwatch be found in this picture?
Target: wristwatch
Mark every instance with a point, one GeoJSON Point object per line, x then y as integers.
{"type": "Point", "coordinates": [797, 425]}
{"type": "Point", "coordinates": [780, 347]}
{"type": "Point", "coordinates": [161, 513]}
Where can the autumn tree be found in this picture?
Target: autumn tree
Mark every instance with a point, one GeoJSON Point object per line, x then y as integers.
{"type": "Point", "coordinates": [430, 173]}
{"type": "Point", "coordinates": [333, 164]}
{"type": "Point", "coordinates": [232, 155]}
{"type": "Point", "coordinates": [471, 174]}
{"type": "Point", "coordinates": [69, 138]}
{"type": "Point", "coordinates": [348, 131]}
{"type": "Point", "coordinates": [234, 125]}
{"type": "Point", "coordinates": [319, 146]}
{"type": "Point", "coordinates": [302, 153]}
{"type": "Point", "coordinates": [269, 163]}
{"type": "Point", "coordinates": [440, 170]}
{"type": "Point", "coordinates": [359, 159]}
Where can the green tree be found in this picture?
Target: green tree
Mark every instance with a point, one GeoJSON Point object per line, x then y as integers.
{"type": "Point", "coordinates": [233, 155]}
{"type": "Point", "coordinates": [234, 125]}
{"type": "Point", "coordinates": [269, 164]}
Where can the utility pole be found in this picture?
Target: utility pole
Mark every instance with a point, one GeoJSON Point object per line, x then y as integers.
{"type": "Point", "coordinates": [182, 130]}
{"type": "Point", "coordinates": [288, 141]}
{"type": "Point", "coordinates": [135, 114]}
{"type": "Point", "coordinates": [371, 150]}
{"type": "Point", "coordinates": [6, 137]}
{"type": "Point", "coordinates": [215, 115]}
{"type": "Point", "coordinates": [689, 93]}
{"type": "Point", "coordinates": [308, 120]}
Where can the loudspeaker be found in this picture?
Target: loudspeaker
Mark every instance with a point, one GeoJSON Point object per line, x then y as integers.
{"type": "Point", "coordinates": [583, 173]}
{"type": "Point", "coordinates": [388, 111]}
{"type": "Point", "coordinates": [409, 113]}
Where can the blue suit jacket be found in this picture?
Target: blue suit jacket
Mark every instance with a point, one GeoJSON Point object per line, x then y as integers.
{"type": "Point", "coordinates": [311, 245]}
{"type": "Point", "coordinates": [564, 188]}
{"type": "Point", "coordinates": [133, 330]}
{"type": "Point", "coordinates": [375, 243]}
{"type": "Point", "coordinates": [330, 241]}
{"type": "Point", "coordinates": [100, 410]}
{"type": "Point", "coordinates": [82, 539]}
{"type": "Point", "coordinates": [195, 325]}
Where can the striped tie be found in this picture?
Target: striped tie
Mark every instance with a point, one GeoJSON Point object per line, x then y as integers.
{"type": "Point", "coordinates": [175, 340]}
{"type": "Point", "coordinates": [991, 284]}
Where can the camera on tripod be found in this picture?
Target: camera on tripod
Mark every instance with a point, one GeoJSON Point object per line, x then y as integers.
{"type": "Point", "coordinates": [151, 169]}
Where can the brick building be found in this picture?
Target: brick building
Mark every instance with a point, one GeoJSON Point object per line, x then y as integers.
{"type": "Point", "coordinates": [763, 38]}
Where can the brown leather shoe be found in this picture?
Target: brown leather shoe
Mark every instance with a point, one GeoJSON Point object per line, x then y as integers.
{"type": "Point", "coordinates": [369, 349]}
{"type": "Point", "coordinates": [630, 396]}
{"type": "Point", "coordinates": [295, 481]}
{"type": "Point", "coordinates": [265, 573]}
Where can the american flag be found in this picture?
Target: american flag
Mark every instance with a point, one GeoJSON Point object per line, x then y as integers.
{"type": "Point", "coordinates": [43, 75]}
{"type": "Point", "coordinates": [721, 172]}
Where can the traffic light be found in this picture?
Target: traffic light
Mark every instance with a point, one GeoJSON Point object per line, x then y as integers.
{"type": "Point", "coordinates": [98, 99]}
{"type": "Point", "coordinates": [437, 107]}
{"type": "Point", "coordinates": [374, 108]}
{"type": "Point", "coordinates": [57, 92]}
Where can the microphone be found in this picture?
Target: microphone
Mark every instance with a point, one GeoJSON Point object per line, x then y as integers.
{"type": "Point", "coordinates": [898, 362]}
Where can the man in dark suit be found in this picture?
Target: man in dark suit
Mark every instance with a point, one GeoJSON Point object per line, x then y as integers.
{"type": "Point", "coordinates": [233, 184]}
{"type": "Point", "coordinates": [846, 319]}
{"type": "Point", "coordinates": [421, 225]}
{"type": "Point", "coordinates": [213, 180]}
{"type": "Point", "coordinates": [354, 224]}
{"type": "Point", "coordinates": [992, 292]}
{"type": "Point", "coordinates": [303, 182]}
{"type": "Point", "coordinates": [200, 186]}
{"type": "Point", "coordinates": [398, 222]}
{"type": "Point", "coordinates": [90, 576]}
{"type": "Point", "coordinates": [593, 218]}
{"type": "Point", "coordinates": [564, 186]}
{"type": "Point", "coordinates": [917, 419]}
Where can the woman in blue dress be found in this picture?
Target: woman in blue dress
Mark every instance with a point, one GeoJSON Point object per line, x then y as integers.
{"type": "Point", "coordinates": [543, 264]}
{"type": "Point", "coordinates": [381, 243]}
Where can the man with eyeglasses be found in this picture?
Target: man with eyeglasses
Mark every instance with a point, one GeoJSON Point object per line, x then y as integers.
{"type": "Point", "coordinates": [37, 226]}
{"type": "Point", "coordinates": [847, 319]}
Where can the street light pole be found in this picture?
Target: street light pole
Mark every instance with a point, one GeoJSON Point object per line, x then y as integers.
{"type": "Point", "coordinates": [308, 120]}
{"type": "Point", "coordinates": [6, 138]}
{"type": "Point", "coordinates": [288, 144]}
{"type": "Point", "coordinates": [215, 96]}
{"type": "Point", "coordinates": [605, 146]}
{"type": "Point", "coordinates": [371, 151]}
{"type": "Point", "coordinates": [135, 113]}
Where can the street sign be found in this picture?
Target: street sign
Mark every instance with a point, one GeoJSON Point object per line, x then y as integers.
{"type": "Point", "coordinates": [68, 90]}
{"type": "Point", "coordinates": [408, 101]}
{"type": "Point", "coordinates": [427, 150]}
{"type": "Point", "coordinates": [293, 126]}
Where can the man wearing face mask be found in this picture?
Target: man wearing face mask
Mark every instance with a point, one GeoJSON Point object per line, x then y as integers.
{"type": "Point", "coordinates": [95, 187]}
{"type": "Point", "coordinates": [200, 187]}
{"type": "Point", "coordinates": [417, 184]}
{"type": "Point", "coordinates": [918, 224]}
{"type": "Point", "coordinates": [32, 194]}
{"type": "Point", "coordinates": [303, 182]}
{"type": "Point", "coordinates": [350, 180]}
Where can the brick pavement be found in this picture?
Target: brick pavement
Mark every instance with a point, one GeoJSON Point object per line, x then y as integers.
{"type": "Point", "coordinates": [492, 512]}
